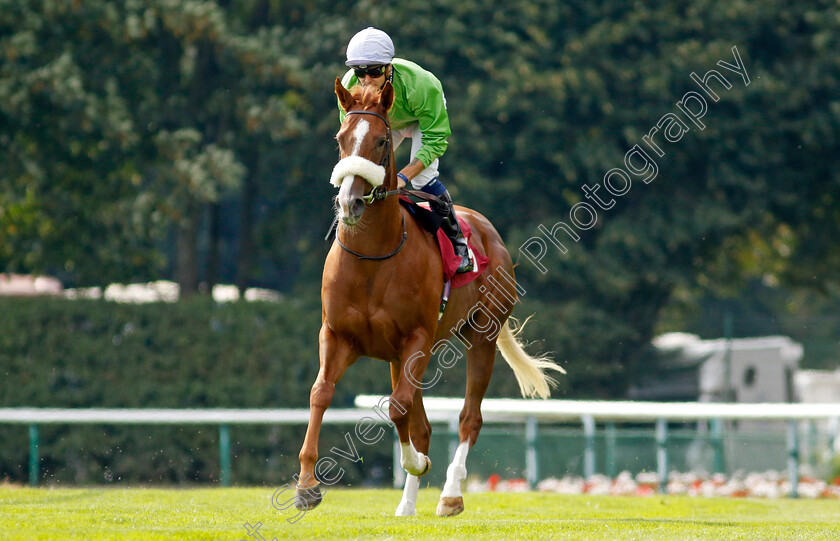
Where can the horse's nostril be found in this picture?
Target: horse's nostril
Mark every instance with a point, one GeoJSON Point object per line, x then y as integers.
{"type": "Point", "coordinates": [358, 207]}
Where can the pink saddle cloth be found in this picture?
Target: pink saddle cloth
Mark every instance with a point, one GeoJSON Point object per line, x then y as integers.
{"type": "Point", "coordinates": [451, 261]}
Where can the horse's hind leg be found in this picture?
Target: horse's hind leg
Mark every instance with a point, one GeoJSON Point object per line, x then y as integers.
{"type": "Point", "coordinates": [420, 430]}
{"type": "Point", "coordinates": [480, 359]}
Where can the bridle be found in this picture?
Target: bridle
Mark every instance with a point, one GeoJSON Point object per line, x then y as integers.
{"type": "Point", "coordinates": [379, 193]}
{"type": "Point", "coordinates": [386, 156]}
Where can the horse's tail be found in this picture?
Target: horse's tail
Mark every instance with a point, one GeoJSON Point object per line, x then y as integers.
{"type": "Point", "coordinates": [530, 371]}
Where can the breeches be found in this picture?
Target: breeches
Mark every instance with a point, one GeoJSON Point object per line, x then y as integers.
{"type": "Point", "coordinates": [413, 132]}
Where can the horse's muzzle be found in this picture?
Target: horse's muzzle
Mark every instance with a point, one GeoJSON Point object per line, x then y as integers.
{"type": "Point", "coordinates": [352, 210]}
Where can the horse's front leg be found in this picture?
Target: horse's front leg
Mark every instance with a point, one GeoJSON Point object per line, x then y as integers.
{"type": "Point", "coordinates": [335, 356]}
{"type": "Point", "coordinates": [409, 417]}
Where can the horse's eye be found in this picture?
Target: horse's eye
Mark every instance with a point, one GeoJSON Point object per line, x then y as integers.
{"type": "Point", "coordinates": [381, 142]}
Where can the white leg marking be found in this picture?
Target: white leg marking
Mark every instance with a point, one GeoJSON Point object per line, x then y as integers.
{"type": "Point", "coordinates": [412, 461]}
{"type": "Point", "coordinates": [408, 503]}
{"type": "Point", "coordinates": [456, 472]}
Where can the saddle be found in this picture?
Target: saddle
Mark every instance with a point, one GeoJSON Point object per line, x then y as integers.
{"type": "Point", "coordinates": [430, 221]}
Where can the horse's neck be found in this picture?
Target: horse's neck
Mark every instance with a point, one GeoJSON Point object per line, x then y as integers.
{"type": "Point", "coordinates": [381, 220]}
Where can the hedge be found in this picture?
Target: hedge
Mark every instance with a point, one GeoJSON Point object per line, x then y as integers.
{"type": "Point", "coordinates": [195, 353]}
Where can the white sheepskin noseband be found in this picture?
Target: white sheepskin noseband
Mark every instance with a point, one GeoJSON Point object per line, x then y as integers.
{"type": "Point", "coordinates": [356, 165]}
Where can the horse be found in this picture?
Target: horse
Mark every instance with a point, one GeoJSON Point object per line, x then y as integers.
{"type": "Point", "coordinates": [381, 294]}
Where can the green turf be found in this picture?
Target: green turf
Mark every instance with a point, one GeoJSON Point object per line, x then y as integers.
{"type": "Point", "coordinates": [216, 513]}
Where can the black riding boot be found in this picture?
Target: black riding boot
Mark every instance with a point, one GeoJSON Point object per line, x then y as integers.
{"type": "Point", "coordinates": [452, 230]}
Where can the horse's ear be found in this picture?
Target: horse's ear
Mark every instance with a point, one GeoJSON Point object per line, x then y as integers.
{"type": "Point", "coordinates": [386, 97]}
{"type": "Point", "coordinates": [345, 98]}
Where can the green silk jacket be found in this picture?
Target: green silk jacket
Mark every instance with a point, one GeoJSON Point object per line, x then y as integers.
{"type": "Point", "coordinates": [418, 97]}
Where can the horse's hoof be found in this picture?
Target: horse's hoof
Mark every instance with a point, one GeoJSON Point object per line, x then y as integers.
{"type": "Point", "coordinates": [307, 498]}
{"type": "Point", "coordinates": [449, 507]}
{"type": "Point", "coordinates": [406, 509]}
{"type": "Point", "coordinates": [428, 467]}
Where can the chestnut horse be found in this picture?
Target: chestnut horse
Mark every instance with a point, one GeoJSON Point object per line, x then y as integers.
{"type": "Point", "coordinates": [381, 294]}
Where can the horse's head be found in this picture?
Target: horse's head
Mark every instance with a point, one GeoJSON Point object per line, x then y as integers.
{"type": "Point", "coordinates": [364, 142]}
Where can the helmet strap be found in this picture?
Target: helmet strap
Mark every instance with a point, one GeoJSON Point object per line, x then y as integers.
{"type": "Point", "coordinates": [390, 77]}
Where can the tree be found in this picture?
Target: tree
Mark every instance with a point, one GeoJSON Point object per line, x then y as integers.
{"type": "Point", "coordinates": [123, 121]}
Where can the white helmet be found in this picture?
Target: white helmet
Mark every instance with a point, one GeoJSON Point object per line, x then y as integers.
{"type": "Point", "coordinates": [370, 47]}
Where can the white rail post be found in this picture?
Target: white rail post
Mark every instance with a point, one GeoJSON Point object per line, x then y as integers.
{"type": "Point", "coordinates": [662, 454]}
{"type": "Point", "coordinates": [589, 448]}
{"type": "Point", "coordinates": [531, 473]}
{"type": "Point", "coordinates": [611, 450]}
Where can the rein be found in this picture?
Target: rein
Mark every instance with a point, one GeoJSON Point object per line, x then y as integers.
{"type": "Point", "coordinates": [378, 195]}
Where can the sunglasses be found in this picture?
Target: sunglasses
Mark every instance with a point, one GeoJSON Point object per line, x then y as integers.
{"type": "Point", "coordinates": [373, 71]}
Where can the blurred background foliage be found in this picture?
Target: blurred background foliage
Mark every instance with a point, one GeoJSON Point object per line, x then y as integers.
{"type": "Point", "coordinates": [193, 140]}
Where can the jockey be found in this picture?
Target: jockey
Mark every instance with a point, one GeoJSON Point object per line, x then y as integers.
{"type": "Point", "coordinates": [419, 112]}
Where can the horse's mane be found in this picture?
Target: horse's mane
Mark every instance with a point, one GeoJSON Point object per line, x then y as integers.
{"type": "Point", "coordinates": [365, 95]}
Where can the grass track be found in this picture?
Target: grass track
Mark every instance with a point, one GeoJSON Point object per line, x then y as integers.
{"type": "Point", "coordinates": [217, 513]}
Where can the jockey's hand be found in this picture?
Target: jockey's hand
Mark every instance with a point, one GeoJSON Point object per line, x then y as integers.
{"type": "Point", "coordinates": [414, 168]}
